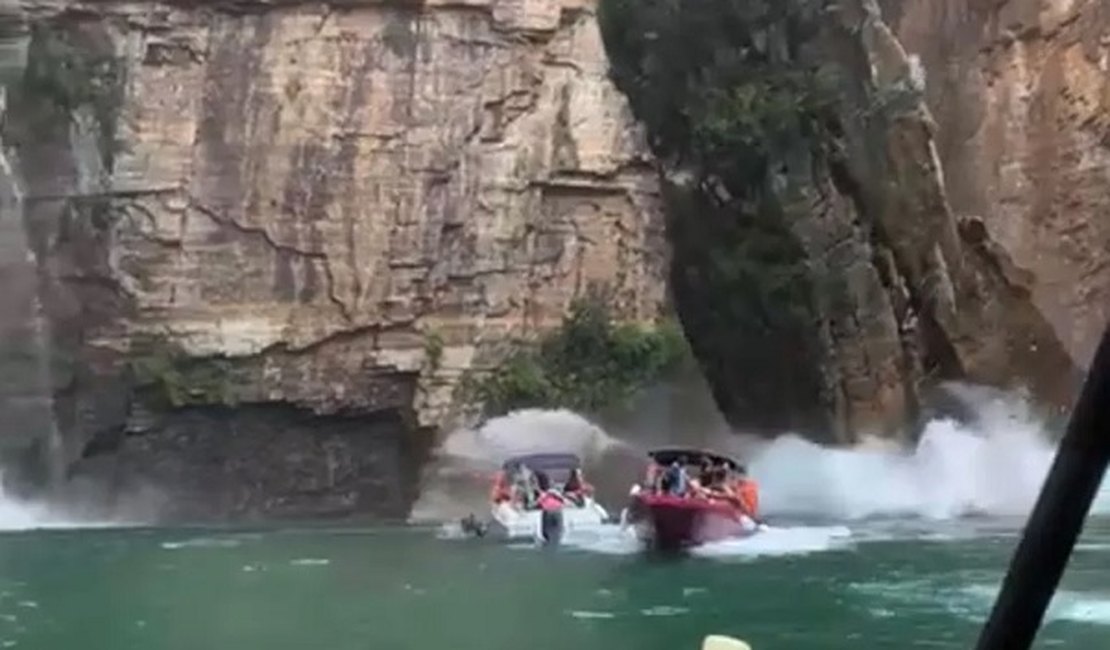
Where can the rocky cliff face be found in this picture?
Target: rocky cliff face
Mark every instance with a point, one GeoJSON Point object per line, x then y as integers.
{"type": "Point", "coordinates": [823, 276]}
{"type": "Point", "coordinates": [255, 244]}
{"type": "Point", "coordinates": [1020, 93]}
{"type": "Point", "coordinates": [318, 215]}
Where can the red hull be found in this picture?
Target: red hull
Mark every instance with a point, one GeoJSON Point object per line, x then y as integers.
{"type": "Point", "coordinates": [677, 522]}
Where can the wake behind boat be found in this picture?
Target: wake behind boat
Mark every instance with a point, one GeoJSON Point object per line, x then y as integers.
{"type": "Point", "coordinates": [670, 510]}
{"type": "Point", "coordinates": [540, 497]}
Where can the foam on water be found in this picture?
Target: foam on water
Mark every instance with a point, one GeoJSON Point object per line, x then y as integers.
{"type": "Point", "coordinates": [310, 561]}
{"type": "Point", "coordinates": [202, 542]}
{"type": "Point", "coordinates": [995, 466]}
{"type": "Point", "coordinates": [612, 539]}
{"type": "Point", "coordinates": [775, 541]}
{"type": "Point", "coordinates": [1066, 605]}
{"type": "Point", "coordinates": [1080, 608]}
{"type": "Point", "coordinates": [973, 602]}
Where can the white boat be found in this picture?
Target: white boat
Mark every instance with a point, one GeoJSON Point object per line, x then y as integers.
{"type": "Point", "coordinates": [513, 521]}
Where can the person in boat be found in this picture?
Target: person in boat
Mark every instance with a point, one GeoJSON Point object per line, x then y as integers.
{"type": "Point", "coordinates": [502, 490]}
{"type": "Point", "coordinates": [700, 484]}
{"type": "Point", "coordinates": [655, 475]}
{"type": "Point", "coordinates": [718, 483]}
{"type": "Point", "coordinates": [524, 486]}
{"type": "Point", "coordinates": [576, 489]}
{"type": "Point", "coordinates": [547, 499]}
{"type": "Point", "coordinates": [725, 481]}
{"type": "Point", "coordinates": [675, 480]}
{"type": "Point", "coordinates": [708, 478]}
{"type": "Point", "coordinates": [747, 492]}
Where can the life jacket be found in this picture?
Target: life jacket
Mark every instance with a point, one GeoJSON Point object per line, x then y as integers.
{"type": "Point", "coordinates": [748, 492]}
{"type": "Point", "coordinates": [500, 490]}
{"type": "Point", "coordinates": [550, 501]}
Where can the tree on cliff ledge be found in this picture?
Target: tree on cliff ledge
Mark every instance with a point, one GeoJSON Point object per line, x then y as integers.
{"type": "Point", "coordinates": [586, 365]}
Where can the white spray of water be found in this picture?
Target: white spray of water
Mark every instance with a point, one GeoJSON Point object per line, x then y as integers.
{"type": "Point", "coordinates": [973, 602]}
{"type": "Point", "coordinates": [994, 467]}
{"type": "Point", "coordinates": [18, 515]}
{"type": "Point", "coordinates": [21, 514]}
{"type": "Point", "coordinates": [455, 483]}
{"type": "Point", "coordinates": [529, 431]}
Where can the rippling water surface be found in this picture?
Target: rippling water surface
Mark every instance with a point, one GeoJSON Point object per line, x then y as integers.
{"type": "Point", "coordinates": [895, 585]}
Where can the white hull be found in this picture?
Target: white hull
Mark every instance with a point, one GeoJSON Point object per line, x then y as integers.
{"type": "Point", "coordinates": [516, 524]}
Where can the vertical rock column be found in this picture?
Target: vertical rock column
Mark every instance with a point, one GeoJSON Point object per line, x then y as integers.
{"type": "Point", "coordinates": [27, 428]}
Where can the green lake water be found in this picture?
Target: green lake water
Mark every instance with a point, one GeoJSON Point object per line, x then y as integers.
{"type": "Point", "coordinates": [399, 588]}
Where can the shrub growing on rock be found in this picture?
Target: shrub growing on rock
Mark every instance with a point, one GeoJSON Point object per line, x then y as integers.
{"type": "Point", "coordinates": [587, 364]}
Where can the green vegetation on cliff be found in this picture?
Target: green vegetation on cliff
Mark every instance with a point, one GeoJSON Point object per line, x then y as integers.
{"type": "Point", "coordinates": [169, 378]}
{"type": "Point", "coordinates": [739, 122]}
{"type": "Point", "coordinates": [588, 364]}
{"type": "Point", "coordinates": [718, 83]}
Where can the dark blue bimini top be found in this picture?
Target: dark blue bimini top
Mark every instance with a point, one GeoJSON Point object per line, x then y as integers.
{"type": "Point", "coordinates": [544, 462]}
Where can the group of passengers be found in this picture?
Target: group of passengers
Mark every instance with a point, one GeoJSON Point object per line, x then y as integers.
{"type": "Point", "coordinates": [528, 488]}
{"type": "Point", "coordinates": [715, 480]}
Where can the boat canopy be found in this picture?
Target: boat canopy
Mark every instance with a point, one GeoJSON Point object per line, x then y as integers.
{"type": "Point", "coordinates": [692, 456]}
{"type": "Point", "coordinates": [544, 462]}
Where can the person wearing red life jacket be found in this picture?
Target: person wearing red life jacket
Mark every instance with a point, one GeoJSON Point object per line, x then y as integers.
{"type": "Point", "coordinates": [576, 489]}
{"type": "Point", "coordinates": [549, 500]}
{"type": "Point", "coordinates": [501, 490]}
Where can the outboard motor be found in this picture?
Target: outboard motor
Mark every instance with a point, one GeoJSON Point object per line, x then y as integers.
{"type": "Point", "coordinates": [551, 526]}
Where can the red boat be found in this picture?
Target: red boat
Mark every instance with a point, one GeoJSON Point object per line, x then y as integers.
{"type": "Point", "coordinates": [671, 517]}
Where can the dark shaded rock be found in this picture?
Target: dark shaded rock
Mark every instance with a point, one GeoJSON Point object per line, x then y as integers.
{"type": "Point", "coordinates": [818, 268]}
{"type": "Point", "coordinates": [254, 462]}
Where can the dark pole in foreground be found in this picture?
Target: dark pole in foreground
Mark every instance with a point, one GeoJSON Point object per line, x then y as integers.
{"type": "Point", "coordinates": [1058, 517]}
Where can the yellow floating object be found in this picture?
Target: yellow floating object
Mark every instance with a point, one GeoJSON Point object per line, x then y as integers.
{"type": "Point", "coordinates": [721, 642]}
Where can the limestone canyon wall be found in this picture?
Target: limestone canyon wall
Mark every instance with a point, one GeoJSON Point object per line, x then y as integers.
{"type": "Point", "coordinates": [858, 286]}
{"type": "Point", "coordinates": [271, 237]}
{"type": "Point", "coordinates": [255, 244]}
{"type": "Point", "coordinates": [1021, 96]}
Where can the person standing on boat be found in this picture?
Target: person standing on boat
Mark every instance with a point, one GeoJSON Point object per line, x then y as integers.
{"type": "Point", "coordinates": [549, 500]}
{"type": "Point", "coordinates": [576, 489]}
{"type": "Point", "coordinates": [524, 484]}
{"type": "Point", "coordinates": [676, 478]}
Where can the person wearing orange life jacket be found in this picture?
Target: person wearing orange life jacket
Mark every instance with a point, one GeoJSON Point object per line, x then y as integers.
{"type": "Point", "coordinates": [748, 491]}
